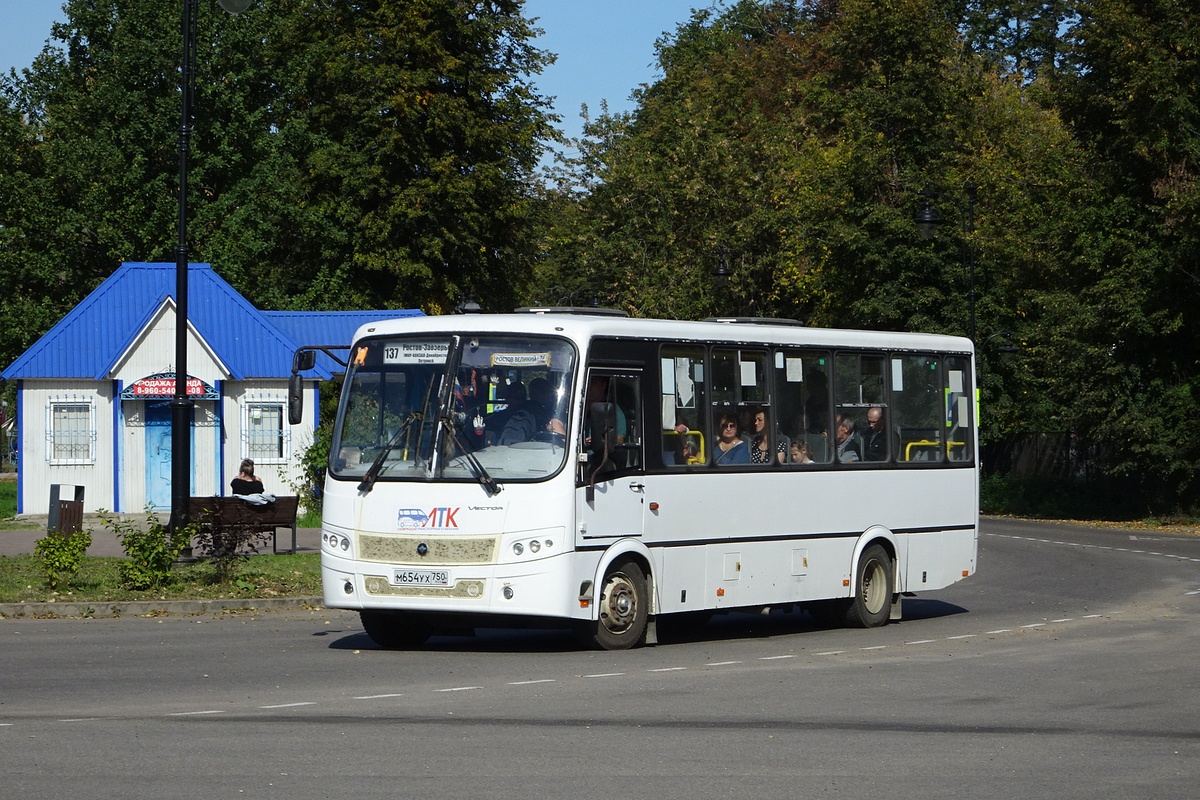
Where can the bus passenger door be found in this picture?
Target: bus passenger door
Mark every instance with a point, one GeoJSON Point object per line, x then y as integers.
{"type": "Point", "coordinates": [610, 489]}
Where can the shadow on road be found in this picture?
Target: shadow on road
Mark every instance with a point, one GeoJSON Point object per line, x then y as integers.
{"type": "Point", "coordinates": [673, 629]}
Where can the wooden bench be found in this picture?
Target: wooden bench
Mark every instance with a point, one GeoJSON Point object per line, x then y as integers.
{"type": "Point", "coordinates": [217, 513]}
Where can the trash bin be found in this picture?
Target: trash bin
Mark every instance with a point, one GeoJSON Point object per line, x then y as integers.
{"type": "Point", "coordinates": [65, 516]}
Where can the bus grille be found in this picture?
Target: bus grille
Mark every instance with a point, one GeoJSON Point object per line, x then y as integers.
{"type": "Point", "coordinates": [438, 550]}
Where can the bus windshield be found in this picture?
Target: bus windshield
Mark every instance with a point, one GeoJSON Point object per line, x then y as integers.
{"type": "Point", "coordinates": [455, 407]}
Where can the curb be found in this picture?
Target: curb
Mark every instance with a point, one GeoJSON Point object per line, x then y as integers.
{"type": "Point", "coordinates": [152, 608]}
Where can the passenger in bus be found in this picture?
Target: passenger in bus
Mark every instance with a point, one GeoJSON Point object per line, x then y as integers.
{"type": "Point", "coordinates": [798, 453]}
{"type": "Point", "coordinates": [729, 449]}
{"type": "Point", "coordinates": [760, 442]}
{"type": "Point", "coordinates": [597, 392]}
{"type": "Point", "coordinates": [848, 449]}
{"type": "Point", "coordinates": [875, 437]}
{"type": "Point", "coordinates": [520, 422]}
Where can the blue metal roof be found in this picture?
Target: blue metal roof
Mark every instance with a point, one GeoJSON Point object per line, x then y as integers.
{"type": "Point", "coordinates": [330, 328]}
{"type": "Point", "coordinates": [252, 344]}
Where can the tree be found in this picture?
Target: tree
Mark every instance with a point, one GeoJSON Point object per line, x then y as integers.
{"type": "Point", "coordinates": [378, 156]}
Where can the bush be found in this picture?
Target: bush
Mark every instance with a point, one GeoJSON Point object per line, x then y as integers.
{"type": "Point", "coordinates": [61, 555]}
{"type": "Point", "coordinates": [228, 548]}
{"type": "Point", "coordinates": [150, 551]}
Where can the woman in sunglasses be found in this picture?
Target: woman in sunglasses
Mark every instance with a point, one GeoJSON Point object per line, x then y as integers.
{"type": "Point", "coordinates": [730, 448]}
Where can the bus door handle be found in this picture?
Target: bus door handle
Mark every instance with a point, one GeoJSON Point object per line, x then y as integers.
{"type": "Point", "coordinates": [637, 487]}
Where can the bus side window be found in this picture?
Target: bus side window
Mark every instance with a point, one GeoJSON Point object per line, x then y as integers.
{"type": "Point", "coordinates": [917, 408]}
{"type": "Point", "coordinates": [682, 393]}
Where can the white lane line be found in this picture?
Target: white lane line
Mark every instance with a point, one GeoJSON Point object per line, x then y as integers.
{"type": "Point", "coordinates": [1064, 619]}
{"type": "Point", "coordinates": [831, 653]}
{"type": "Point", "coordinates": [774, 658]}
{"type": "Point", "coordinates": [667, 669]}
{"type": "Point", "coordinates": [377, 696]}
{"type": "Point", "coordinates": [876, 647]}
{"type": "Point", "coordinates": [605, 675]}
{"type": "Point", "coordinates": [964, 636]}
{"type": "Point", "coordinates": [721, 663]}
{"type": "Point", "coordinates": [1001, 630]}
{"type": "Point", "coordinates": [291, 705]}
{"type": "Point", "coordinates": [922, 641]}
{"type": "Point", "coordinates": [527, 683]}
{"type": "Point", "coordinates": [459, 689]}
{"type": "Point", "coordinates": [193, 713]}
{"type": "Point", "coordinates": [6, 724]}
{"type": "Point", "coordinates": [1035, 625]}
{"type": "Point", "coordinates": [81, 719]}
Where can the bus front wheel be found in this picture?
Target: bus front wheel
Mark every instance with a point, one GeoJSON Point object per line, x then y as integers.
{"type": "Point", "coordinates": [393, 631]}
{"type": "Point", "coordinates": [871, 604]}
{"type": "Point", "coordinates": [624, 610]}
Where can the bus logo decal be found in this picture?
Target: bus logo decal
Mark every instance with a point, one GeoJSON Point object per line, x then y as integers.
{"type": "Point", "coordinates": [440, 517]}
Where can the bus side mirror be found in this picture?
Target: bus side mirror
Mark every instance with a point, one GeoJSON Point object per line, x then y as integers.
{"type": "Point", "coordinates": [304, 360]}
{"type": "Point", "coordinates": [295, 399]}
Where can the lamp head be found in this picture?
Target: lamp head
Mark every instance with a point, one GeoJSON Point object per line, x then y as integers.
{"type": "Point", "coordinates": [235, 6]}
{"type": "Point", "coordinates": [927, 219]}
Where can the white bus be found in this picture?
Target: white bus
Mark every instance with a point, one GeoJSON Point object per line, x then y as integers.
{"type": "Point", "coordinates": [576, 468]}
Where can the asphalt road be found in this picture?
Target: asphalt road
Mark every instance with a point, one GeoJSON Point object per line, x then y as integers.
{"type": "Point", "coordinates": [1066, 668]}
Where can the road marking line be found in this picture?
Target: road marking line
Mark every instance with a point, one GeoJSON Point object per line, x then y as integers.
{"type": "Point", "coordinates": [721, 663]}
{"type": "Point", "coordinates": [526, 683]}
{"type": "Point", "coordinates": [291, 705]}
{"type": "Point", "coordinates": [377, 696]}
{"type": "Point", "coordinates": [876, 647]}
{"type": "Point", "coordinates": [193, 713]}
{"type": "Point", "coordinates": [459, 689]}
{"type": "Point", "coordinates": [964, 636]}
{"type": "Point", "coordinates": [1064, 619]}
{"type": "Point", "coordinates": [922, 641]}
{"type": "Point", "coordinates": [605, 675]}
{"type": "Point", "coordinates": [773, 658]}
{"type": "Point", "coordinates": [1002, 630]}
{"type": "Point", "coordinates": [80, 719]}
{"type": "Point", "coordinates": [667, 669]}
{"type": "Point", "coordinates": [1035, 625]}
{"type": "Point", "coordinates": [831, 653]}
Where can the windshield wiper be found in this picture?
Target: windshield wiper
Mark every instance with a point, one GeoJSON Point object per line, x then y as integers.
{"type": "Point", "coordinates": [368, 481]}
{"type": "Point", "coordinates": [489, 484]}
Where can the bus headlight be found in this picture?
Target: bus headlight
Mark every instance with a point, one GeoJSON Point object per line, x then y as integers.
{"type": "Point", "coordinates": [535, 546]}
{"type": "Point", "coordinates": [518, 548]}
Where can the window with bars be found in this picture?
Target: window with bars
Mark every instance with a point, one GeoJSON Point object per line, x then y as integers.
{"type": "Point", "coordinates": [264, 434]}
{"type": "Point", "coordinates": [71, 432]}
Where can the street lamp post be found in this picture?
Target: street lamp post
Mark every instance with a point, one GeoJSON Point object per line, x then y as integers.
{"type": "Point", "coordinates": [181, 404]}
{"type": "Point", "coordinates": [927, 220]}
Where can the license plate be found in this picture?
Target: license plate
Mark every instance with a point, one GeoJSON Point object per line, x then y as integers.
{"type": "Point", "coordinates": [421, 577]}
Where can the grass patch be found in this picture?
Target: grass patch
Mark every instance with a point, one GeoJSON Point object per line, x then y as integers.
{"type": "Point", "coordinates": [8, 499]}
{"type": "Point", "coordinates": [22, 580]}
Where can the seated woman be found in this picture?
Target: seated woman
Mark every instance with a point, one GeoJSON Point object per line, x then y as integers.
{"type": "Point", "coordinates": [729, 448]}
{"type": "Point", "coordinates": [245, 482]}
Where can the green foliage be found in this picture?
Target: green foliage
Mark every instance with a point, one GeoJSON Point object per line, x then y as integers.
{"type": "Point", "coordinates": [228, 548]}
{"type": "Point", "coordinates": [377, 159]}
{"type": "Point", "coordinates": [151, 549]}
{"type": "Point", "coordinates": [8, 499]}
{"type": "Point", "coordinates": [61, 555]}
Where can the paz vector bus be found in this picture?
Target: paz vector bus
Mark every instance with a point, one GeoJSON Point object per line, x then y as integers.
{"type": "Point", "coordinates": [579, 468]}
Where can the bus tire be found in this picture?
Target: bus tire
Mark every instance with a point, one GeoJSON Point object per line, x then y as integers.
{"type": "Point", "coordinates": [393, 631]}
{"type": "Point", "coordinates": [624, 607]}
{"type": "Point", "coordinates": [871, 604]}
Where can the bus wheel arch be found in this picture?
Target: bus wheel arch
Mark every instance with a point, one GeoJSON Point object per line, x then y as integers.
{"type": "Point", "coordinates": [622, 601]}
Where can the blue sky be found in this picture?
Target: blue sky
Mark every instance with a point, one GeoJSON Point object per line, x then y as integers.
{"type": "Point", "coordinates": [605, 47]}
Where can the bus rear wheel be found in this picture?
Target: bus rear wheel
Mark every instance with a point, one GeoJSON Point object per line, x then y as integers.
{"type": "Point", "coordinates": [871, 604]}
{"type": "Point", "coordinates": [624, 610]}
{"type": "Point", "coordinates": [392, 630]}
